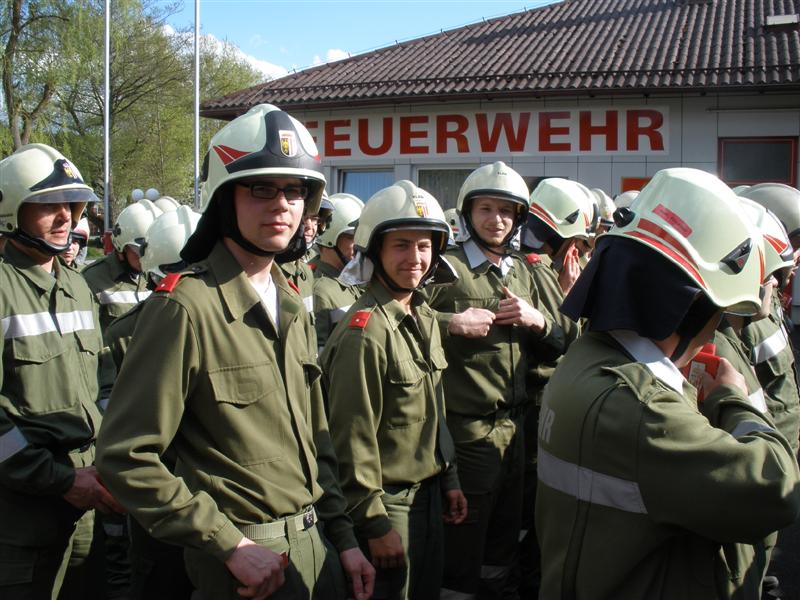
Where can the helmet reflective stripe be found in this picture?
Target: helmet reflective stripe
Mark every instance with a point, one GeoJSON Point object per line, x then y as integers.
{"type": "Point", "coordinates": [675, 215]}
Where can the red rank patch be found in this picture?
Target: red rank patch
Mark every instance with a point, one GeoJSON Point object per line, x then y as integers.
{"type": "Point", "coordinates": [360, 319]}
{"type": "Point", "coordinates": [293, 285]}
{"type": "Point", "coordinates": [169, 282]}
{"type": "Point", "coordinates": [533, 258]}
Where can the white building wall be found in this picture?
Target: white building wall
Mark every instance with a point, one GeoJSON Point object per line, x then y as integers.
{"type": "Point", "coordinates": [692, 128]}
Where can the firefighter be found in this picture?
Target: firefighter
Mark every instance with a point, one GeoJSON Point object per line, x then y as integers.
{"type": "Point", "coordinates": [495, 329]}
{"type": "Point", "coordinates": [78, 240]}
{"type": "Point", "coordinates": [626, 452]}
{"type": "Point", "coordinates": [332, 298]}
{"type": "Point", "coordinates": [229, 352]}
{"type": "Point", "coordinates": [48, 384]}
{"type": "Point", "coordinates": [382, 370]}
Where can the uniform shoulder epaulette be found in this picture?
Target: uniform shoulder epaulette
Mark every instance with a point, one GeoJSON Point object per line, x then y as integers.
{"type": "Point", "coordinates": [169, 283]}
{"type": "Point", "coordinates": [360, 319]}
{"type": "Point", "coordinates": [313, 266]}
{"type": "Point", "coordinates": [533, 258]}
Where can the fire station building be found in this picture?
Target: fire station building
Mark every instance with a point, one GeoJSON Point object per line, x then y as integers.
{"type": "Point", "coordinates": [606, 92]}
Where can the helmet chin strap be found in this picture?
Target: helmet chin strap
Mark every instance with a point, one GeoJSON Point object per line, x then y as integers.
{"type": "Point", "coordinates": [39, 244]}
{"type": "Point", "coordinates": [230, 228]}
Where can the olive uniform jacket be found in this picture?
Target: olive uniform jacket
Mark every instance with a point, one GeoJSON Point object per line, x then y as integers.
{"type": "Point", "coordinates": [383, 377]}
{"type": "Point", "coordinates": [332, 299]}
{"type": "Point", "coordinates": [639, 488]}
{"type": "Point", "coordinates": [240, 402]}
{"type": "Point", "coordinates": [48, 390]}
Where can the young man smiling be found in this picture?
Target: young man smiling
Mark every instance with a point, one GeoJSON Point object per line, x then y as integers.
{"type": "Point", "coordinates": [229, 351]}
{"type": "Point", "coordinates": [383, 373]}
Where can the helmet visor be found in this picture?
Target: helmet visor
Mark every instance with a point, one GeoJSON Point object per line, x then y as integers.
{"type": "Point", "coordinates": [65, 195]}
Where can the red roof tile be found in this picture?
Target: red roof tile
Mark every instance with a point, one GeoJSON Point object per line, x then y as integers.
{"type": "Point", "coordinates": [590, 46]}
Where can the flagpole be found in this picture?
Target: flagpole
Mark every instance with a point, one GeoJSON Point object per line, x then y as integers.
{"type": "Point", "coordinates": [197, 103]}
{"type": "Point", "coordinates": [106, 118]}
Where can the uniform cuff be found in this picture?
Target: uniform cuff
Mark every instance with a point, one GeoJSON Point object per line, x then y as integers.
{"type": "Point", "coordinates": [339, 532]}
{"type": "Point", "coordinates": [375, 527]}
{"type": "Point", "coordinates": [224, 541]}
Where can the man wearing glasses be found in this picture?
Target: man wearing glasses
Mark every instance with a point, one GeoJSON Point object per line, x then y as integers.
{"type": "Point", "coordinates": [222, 368]}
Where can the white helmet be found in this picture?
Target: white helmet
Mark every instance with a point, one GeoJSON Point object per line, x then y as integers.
{"type": "Point", "coordinates": [740, 189]}
{"type": "Point", "coordinates": [263, 142]}
{"type": "Point", "coordinates": [566, 207]}
{"type": "Point", "coordinates": [80, 233]}
{"type": "Point", "coordinates": [496, 180]}
{"type": "Point", "coordinates": [346, 210]}
{"type": "Point", "coordinates": [132, 224]}
{"type": "Point", "coordinates": [453, 220]}
{"type": "Point", "coordinates": [167, 203]}
{"type": "Point", "coordinates": [778, 252]}
{"type": "Point", "coordinates": [696, 221]}
{"type": "Point", "coordinates": [781, 199]}
{"type": "Point", "coordinates": [166, 237]}
{"type": "Point", "coordinates": [402, 205]}
{"type": "Point", "coordinates": [626, 199]}
{"type": "Point", "coordinates": [606, 206]}
{"type": "Point", "coordinates": [38, 173]}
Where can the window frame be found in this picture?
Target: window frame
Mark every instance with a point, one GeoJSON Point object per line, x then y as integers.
{"type": "Point", "coordinates": [791, 140]}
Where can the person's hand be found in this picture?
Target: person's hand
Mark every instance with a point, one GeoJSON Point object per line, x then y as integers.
{"type": "Point", "coordinates": [472, 323]}
{"type": "Point", "coordinates": [455, 510]}
{"type": "Point", "coordinates": [570, 271]}
{"type": "Point", "coordinates": [88, 492]}
{"type": "Point", "coordinates": [360, 573]}
{"type": "Point", "coordinates": [387, 551]}
{"type": "Point", "coordinates": [258, 569]}
{"type": "Point", "coordinates": [515, 311]}
{"type": "Point", "coordinates": [726, 374]}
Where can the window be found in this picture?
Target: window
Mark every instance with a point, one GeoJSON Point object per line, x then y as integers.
{"type": "Point", "coordinates": [364, 184]}
{"type": "Point", "coordinates": [747, 161]}
{"type": "Point", "coordinates": [443, 184]}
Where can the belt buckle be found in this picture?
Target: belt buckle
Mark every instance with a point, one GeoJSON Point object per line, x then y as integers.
{"type": "Point", "coordinates": [308, 519]}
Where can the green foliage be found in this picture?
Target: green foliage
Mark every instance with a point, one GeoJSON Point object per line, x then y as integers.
{"type": "Point", "coordinates": [152, 91]}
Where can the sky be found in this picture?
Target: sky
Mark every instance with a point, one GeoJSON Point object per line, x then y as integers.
{"type": "Point", "coordinates": [278, 36]}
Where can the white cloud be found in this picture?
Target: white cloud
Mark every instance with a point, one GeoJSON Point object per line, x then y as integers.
{"type": "Point", "coordinates": [258, 40]}
{"type": "Point", "coordinates": [331, 55]}
{"type": "Point", "coordinates": [268, 69]}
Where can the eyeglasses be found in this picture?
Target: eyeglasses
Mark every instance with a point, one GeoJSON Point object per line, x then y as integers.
{"type": "Point", "coordinates": [269, 191]}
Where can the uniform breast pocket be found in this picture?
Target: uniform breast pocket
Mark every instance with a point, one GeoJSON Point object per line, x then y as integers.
{"type": "Point", "coordinates": [406, 393]}
{"type": "Point", "coordinates": [40, 370]}
{"type": "Point", "coordinates": [247, 412]}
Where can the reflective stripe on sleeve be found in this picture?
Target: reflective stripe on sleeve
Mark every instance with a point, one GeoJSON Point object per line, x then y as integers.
{"type": "Point", "coordinates": [338, 313]}
{"type": "Point", "coordinates": [11, 442]}
{"type": "Point", "coordinates": [308, 301]}
{"type": "Point", "coordinates": [747, 427]}
{"type": "Point", "coordinates": [770, 347]}
{"type": "Point", "coordinates": [122, 297]}
{"type": "Point", "coordinates": [17, 326]}
{"type": "Point", "coordinates": [757, 400]}
{"type": "Point", "coordinates": [589, 486]}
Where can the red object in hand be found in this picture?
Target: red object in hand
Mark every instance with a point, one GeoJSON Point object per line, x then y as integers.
{"type": "Point", "coordinates": [705, 361]}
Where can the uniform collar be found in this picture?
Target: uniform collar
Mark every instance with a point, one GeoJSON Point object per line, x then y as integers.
{"type": "Point", "coordinates": [237, 293]}
{"type": "Point", "coordinates": [326, 269]}
{"type": "Point", "coordinates": [644, 351]}
{"type": "Point", "coordinates": [394, 311]}
{"type": "Point", "coordinates": [117, 268]}
{"type": "Point", "coordinates": [31, 270]}
{"type": "Point", "coordinates": [476, 258]}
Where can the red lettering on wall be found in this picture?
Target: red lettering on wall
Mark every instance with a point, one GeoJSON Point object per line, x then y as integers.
{"type": "Point", "coordinates": [363, 138]}
{"type": "Point", "coordinates": [502, 122]}
{"type": "Point", "coordinates": [634, 128]}
{"type": "Point", "coordinates": [331, 137]}
{"type": "Point", "coordinates": [312, 125]}
{"type": "Point", "coordinates": [609, 130]}
{"type": "Point", "coordinates": [407, 134]}
{"type": "Point", "coordinates": [547, 130]}
{"type": "Point", "coordinates": [444, 133]}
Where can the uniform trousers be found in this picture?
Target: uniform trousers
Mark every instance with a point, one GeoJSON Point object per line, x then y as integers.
{"type": "Point", "coordinates": [314, 571]}
{"type": "Point", "coordinates": [416, 514]}
{"type": "Point", "coordinates": [480, 552]}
